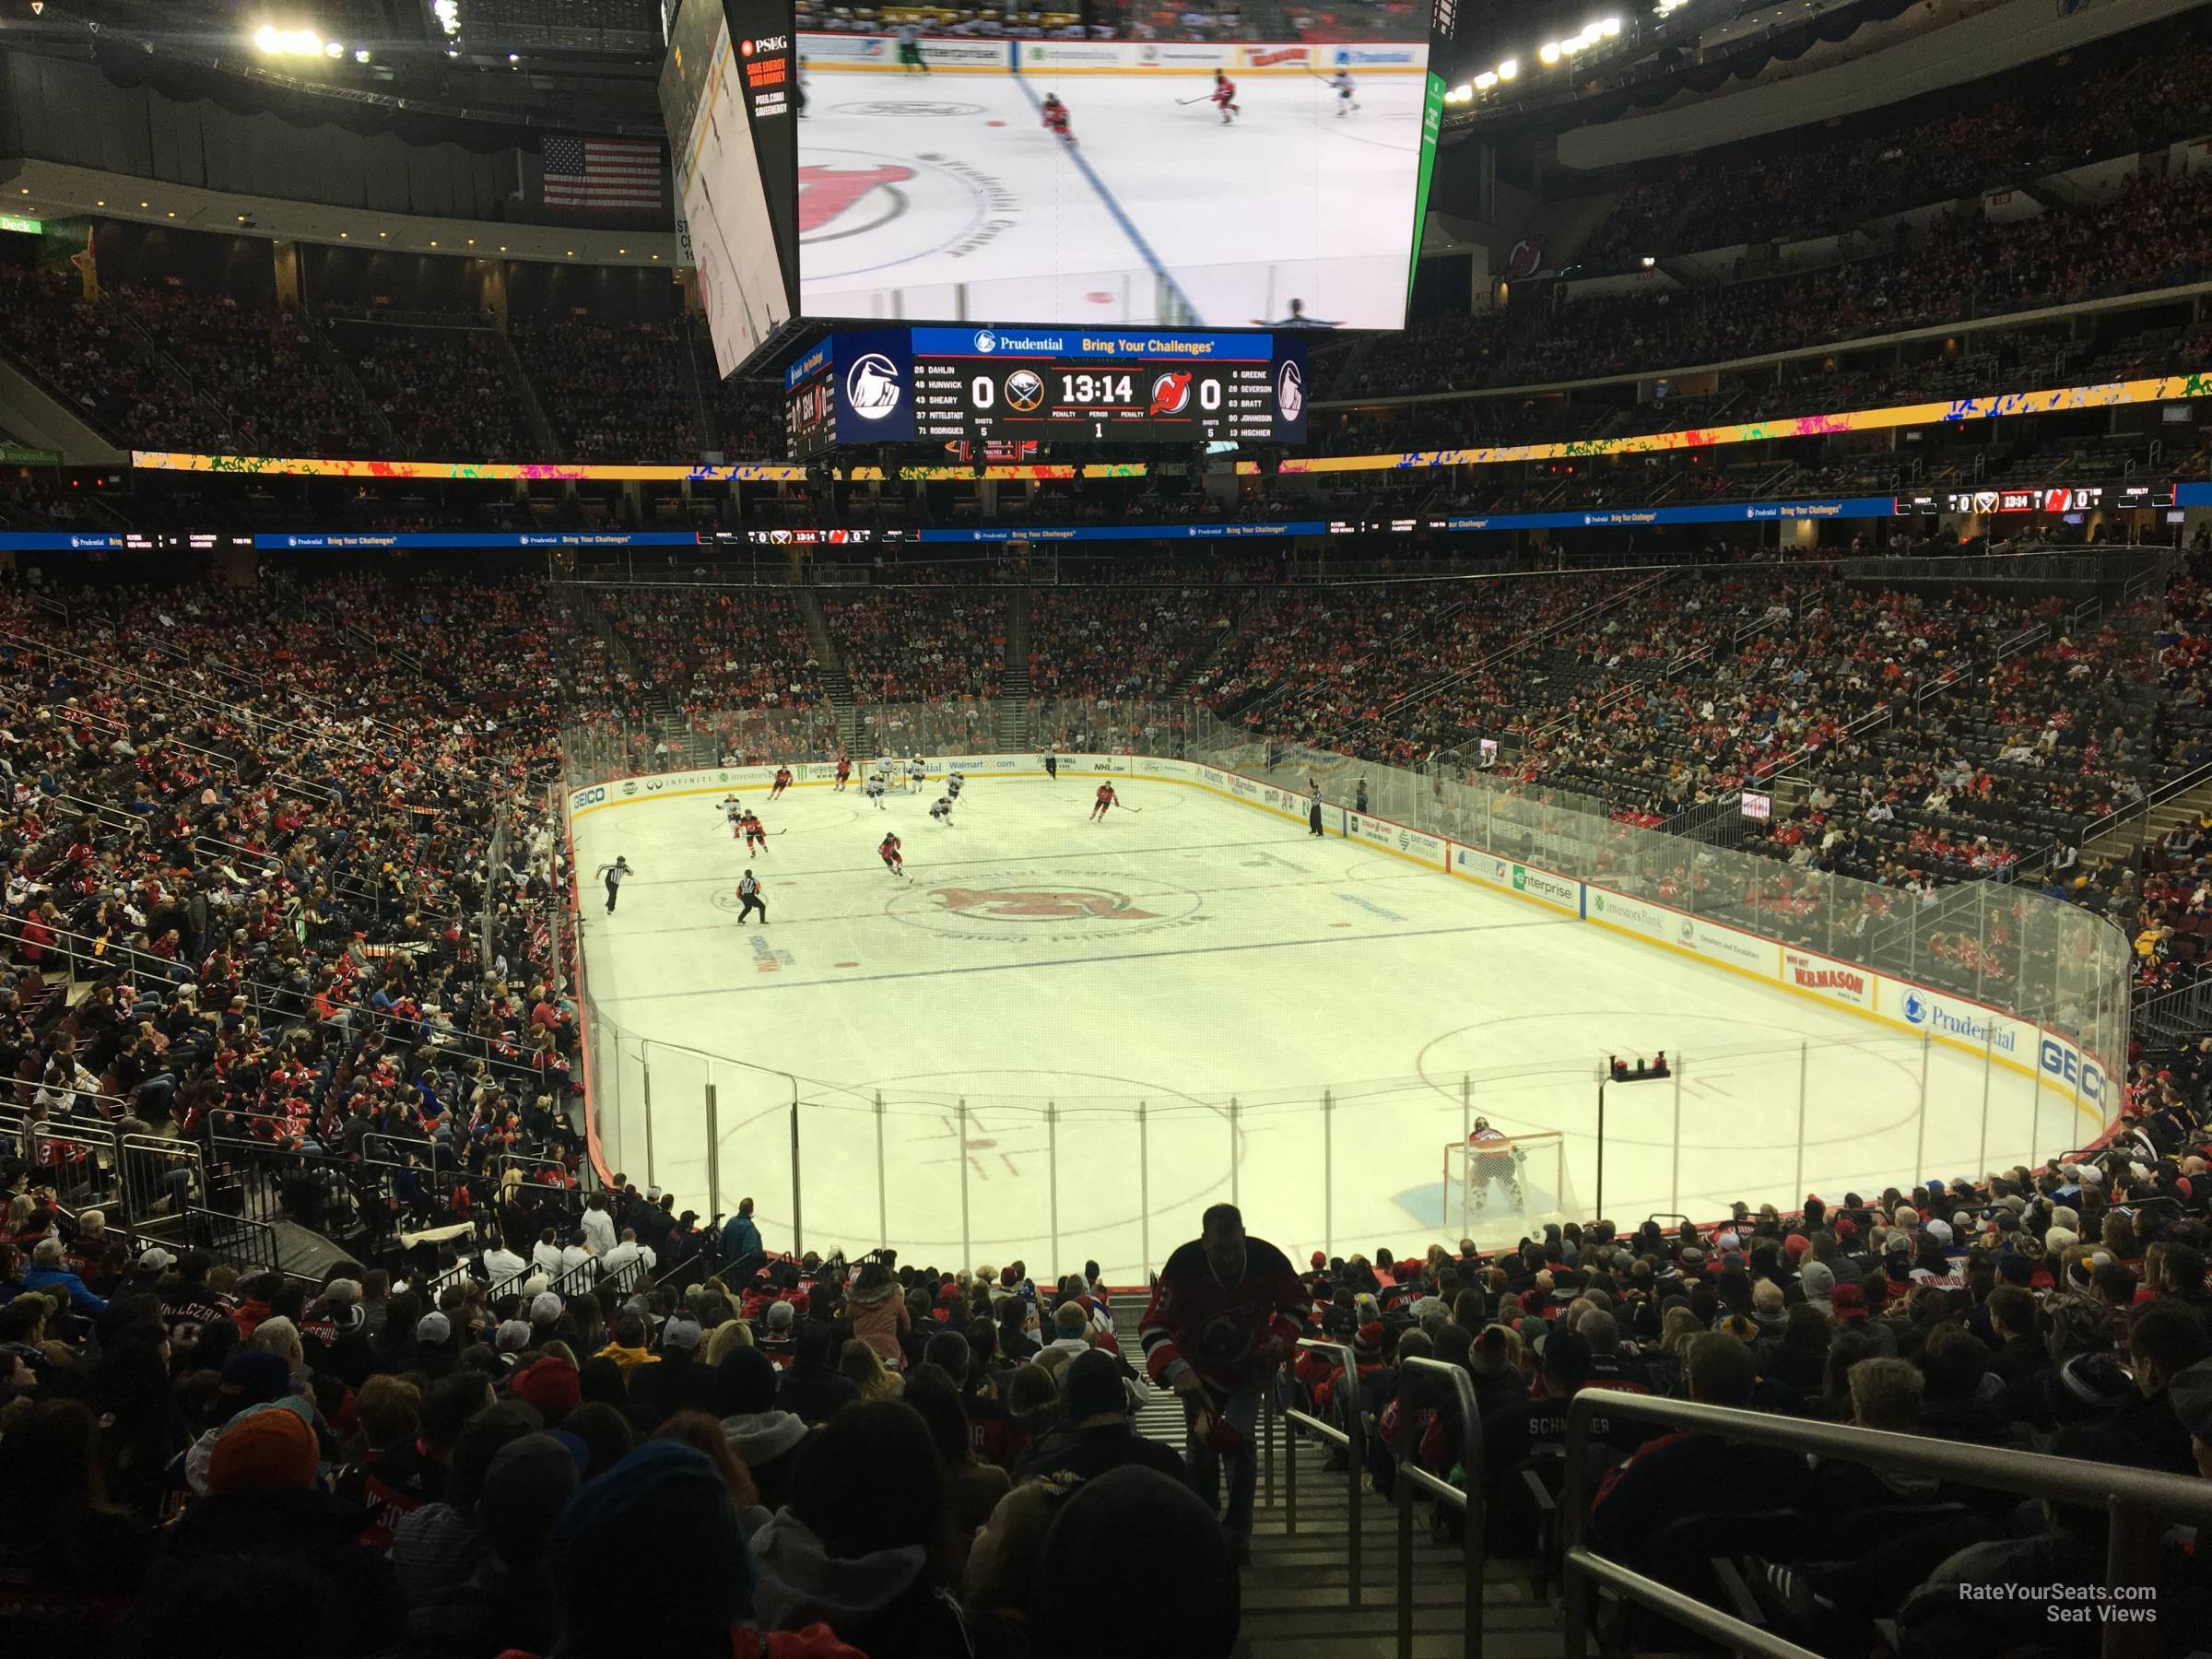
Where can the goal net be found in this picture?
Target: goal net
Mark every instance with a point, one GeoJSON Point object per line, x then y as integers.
{"type": "Point", "coordinates": [1498, 1191]}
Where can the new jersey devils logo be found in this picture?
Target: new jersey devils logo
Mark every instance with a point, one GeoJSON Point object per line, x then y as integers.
{"type": "Point", "coordinates": [829, 195]}
{"type": "Point", "coordinates": [1018, 905]}
{"type": "Point", "coordinates": [1170, 392]}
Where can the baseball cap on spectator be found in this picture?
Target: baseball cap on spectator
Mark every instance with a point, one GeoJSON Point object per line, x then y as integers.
{"type": "Point", "coordinates": [513, 1334]}
{"type": "Point", "coordinates": [1846, 1228]}
{"type": "Point", "coordinates": [2014, 1268]}
{"type": "Point", "coordinates": [546, 1309]}
{"type": "Point", "coordinates": [1091, 1384]}
{"type": "Point", "coordinates": [1692, 1256]}
{"type": "Point", "coordinates": [779, 1315]}
{"type": "Point", "coordinates": [1940, 1231]}
{"type": "Point", "coordinates": [157, 1260]}
{"type": "Point", "coordinates": [1367, 1342]}
{"type": "Point", "coordinates": [679, 1331]}
{"type": "Point", "coordinates": [433, 1328]}
{"type": "Point", "coordinates": [251, 1377]}
{"type": "Point", "coordinates": [265, 1451]}
{"type": "Point", "coordinates": [1848, 1301]}
{"type": "Point", "coordinates": [551, 1384]}
{"type": "Point", "coordinates": [537, 1283]}
{"type": "Point", "coordinates": [1796, 1244]}
{"type": "Point", "coordinates": [1728, 1241]}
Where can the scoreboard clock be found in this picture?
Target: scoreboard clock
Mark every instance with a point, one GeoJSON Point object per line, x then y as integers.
{"type": "Point", "coordinates": [982, 385]}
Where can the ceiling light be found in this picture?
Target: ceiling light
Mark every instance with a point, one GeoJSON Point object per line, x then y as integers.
{"type": "Point", "coordinates": [472, 241]}
{"type": "Point", "coordinates": [360, 54]}
{"type": "Point", "coordinates": [382, 234]}
{"type": "Point", "coordinates": [433, 241]}
{"type": "Point", "coordinates": [1610, 29]}
{"type": "Point", "coordinates": [502, 247]}
{"type": "Point", "coordinates": [331, 49]}
{"type": "Point", "coordinates": [1649, 262]}
{"type": "Point", "coordinates": [100, 204]}
{"type": "Point", "coordinates": [1485, 81]}
{"type": "Point", "coordinates": [146, 203]}
{"type": "Point", "coordinates": [1548, 53]}
{"type": "Point", "coordinates": [343, 235]}
{"type": "Point", "coordinates": [172, 213]}
{"type": "Point", "coordinates": [621, 249]}
{"type": "Point", "coordinates": [515, 57]}
{"type": "Point", "coordinates": [1507, 70]}
{"type": "Point", "coordinates": [268, 39]}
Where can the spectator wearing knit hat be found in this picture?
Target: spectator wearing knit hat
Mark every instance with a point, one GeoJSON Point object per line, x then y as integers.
{"type": "Point", "coordinates": [262, 1507]}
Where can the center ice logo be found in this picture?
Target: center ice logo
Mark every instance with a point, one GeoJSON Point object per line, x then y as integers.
{"type": "Point", "coordinates": [827, 195]}
{"type": "Point", "coordinates": [1067, 907]}
{"type": "Point", "coordinates": [1042, 906]}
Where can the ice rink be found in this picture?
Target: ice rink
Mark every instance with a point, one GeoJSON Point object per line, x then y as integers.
{"type": "Point", "coordinates": [1051, 974]}
{"type": "Point", "coordinates": [946, 199]}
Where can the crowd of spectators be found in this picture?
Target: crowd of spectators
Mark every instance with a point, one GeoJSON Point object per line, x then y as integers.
{"type": "Point", "coordinates": [614, 391]}
{"type": "Point", "coordinates": [2061, 1308]}
{"type": "Point", "coordinates": [2115, 98]}
{"type": "Point", "coordinates": [915, 644]}
{"type": "Point", "coordinates": [724, 647]}
{"type": "Point", "coordinates": [88, 359]}
{"type": "Point", "coordinates": [443, 390]}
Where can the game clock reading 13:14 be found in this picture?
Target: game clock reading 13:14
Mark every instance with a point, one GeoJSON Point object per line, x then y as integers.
{"type": "Point", "coordinates": [1101, 385]}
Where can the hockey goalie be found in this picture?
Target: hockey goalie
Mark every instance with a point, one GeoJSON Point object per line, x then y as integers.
{"type": "Point", "coordinates": [1494, 1158]}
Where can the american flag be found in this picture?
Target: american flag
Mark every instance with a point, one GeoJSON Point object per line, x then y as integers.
{"type": "Point", "coordinates": [595, 173]}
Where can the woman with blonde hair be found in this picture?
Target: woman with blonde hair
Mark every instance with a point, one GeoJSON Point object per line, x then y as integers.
{"type": "Point", "coordinates": [860, 1363]}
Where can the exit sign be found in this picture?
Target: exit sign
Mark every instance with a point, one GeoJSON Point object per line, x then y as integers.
{"type": "Point", "coordinates": [8, 221]}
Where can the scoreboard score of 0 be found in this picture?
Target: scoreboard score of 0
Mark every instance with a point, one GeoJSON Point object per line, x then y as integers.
{"type": "Point", "coordinates": [981, 385]}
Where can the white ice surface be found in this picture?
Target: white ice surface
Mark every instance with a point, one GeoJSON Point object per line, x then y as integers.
{"type": "Point", "coordinates": [1185, 953]}
{"type": "Point", "coordinates": [982, 214]}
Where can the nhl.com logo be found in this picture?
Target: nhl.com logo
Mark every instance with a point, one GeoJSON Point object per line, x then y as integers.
{"type": "Point", "coordinates": [1290, 392]}
{"type": "Point", "coordinates": [872, 386]}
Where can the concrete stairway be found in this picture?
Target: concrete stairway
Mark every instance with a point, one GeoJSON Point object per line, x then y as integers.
{"type": "Point", "coordinates": [1014, 700]}
{"type": "Point", "coordinates": [1297, 1592]}
{"type": "Point", "coordinates": [829, 668]}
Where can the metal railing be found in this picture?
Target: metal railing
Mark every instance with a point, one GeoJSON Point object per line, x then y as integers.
{"type": "Point", "coordinates": [1352, 1439]}
{"type": "Point", "coordinates": [1469, 1503]}
{"type": "Point", "coordinates": [2136, 1499]}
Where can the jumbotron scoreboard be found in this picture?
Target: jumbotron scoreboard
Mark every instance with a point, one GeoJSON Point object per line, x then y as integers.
{"type": "Point", "coordinates": [982, 385]}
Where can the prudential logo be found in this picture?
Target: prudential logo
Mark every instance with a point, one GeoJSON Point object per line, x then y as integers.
{"type": "Point", "coordinates": [872, 386]}
{"type": "Point", "coordinates": [1289, 393]}
{"type": "Point", "coordinates": [985, 341]}
{"type": "Point", "coordinates": [1916, 1008]}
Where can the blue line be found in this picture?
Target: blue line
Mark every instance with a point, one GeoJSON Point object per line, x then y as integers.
{"type": "Point", "coordinates": [1121, 218]}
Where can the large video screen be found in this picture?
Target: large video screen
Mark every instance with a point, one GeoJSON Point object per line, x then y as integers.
{"type": "Point", "coordinates": [728, 95]}
{"type": "Point", "coordinates": [1209, 181]}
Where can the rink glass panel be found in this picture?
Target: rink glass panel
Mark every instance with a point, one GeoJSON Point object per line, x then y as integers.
{"type": "Point", "coordinates": [1124, 1179]}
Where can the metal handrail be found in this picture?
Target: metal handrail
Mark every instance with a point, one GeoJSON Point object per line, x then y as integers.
{"type": "Point", "coordinates": [2135, 1498]}
{"type": "Point", "coordinates": [1352, 1437]}
{"type": "Point", "coordinates": [1469, 1502]}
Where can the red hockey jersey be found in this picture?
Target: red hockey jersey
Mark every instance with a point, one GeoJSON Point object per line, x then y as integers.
{"type": "Point", "coordinates": [1217, 1328]}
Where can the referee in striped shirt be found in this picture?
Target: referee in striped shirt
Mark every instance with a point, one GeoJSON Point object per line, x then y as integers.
{"type": "Point", "coordinates": [749, 901]}
{"type": "Point", "coordinates": [617, 874]}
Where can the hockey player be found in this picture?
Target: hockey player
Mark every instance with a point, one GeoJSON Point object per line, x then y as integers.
{"type": "Point", "coordinates": [1051, 766]}
{"type": "Point", "coordinates": [783, 782]}
{"type": "Point", "coordinates": [1348, 98]}
{"type": "Point", "coordinates": [1225, 97]}
{"type": "Point", "coordinates": [756, 836]}
{"type": "Point", "coordinates": [910, 49]}
{"type": "Point", "coordinates": [888, 853]}
{"type": "Point", "coordinates": [844, 773]}
{"type": "Point", "coordinates": [1496, 1158]}
{"type": "Point", "coordinates": [749, 899]}
{"type": "Point", "coordinates": [874, 789]}
{"type": "Point", "coordinates": [732, 813]}
{"type": "Point", "coordinates": [942, 811]}
{"type": "Point", "coordinates": [1106, 798]}
{"type": "Point", "coordinates": [1055, 117]}
{"type": "Point", "coordinates": [954, 784]}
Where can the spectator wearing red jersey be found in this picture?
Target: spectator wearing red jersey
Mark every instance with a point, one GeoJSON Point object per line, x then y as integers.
{"type": "Point", "coordinates": [1226, 1311]}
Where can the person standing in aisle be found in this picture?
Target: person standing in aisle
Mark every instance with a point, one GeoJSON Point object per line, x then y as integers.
{"type": "Point", "coordinates": [749, 899]}
{"type": "Point", "coordinates": [1225, 1311]}
{"type": "Point", "coordinates": [616, 873]}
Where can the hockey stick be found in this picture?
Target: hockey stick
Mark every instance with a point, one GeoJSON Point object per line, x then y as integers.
{"type": "Point", "coordinates": [1182, 103]}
